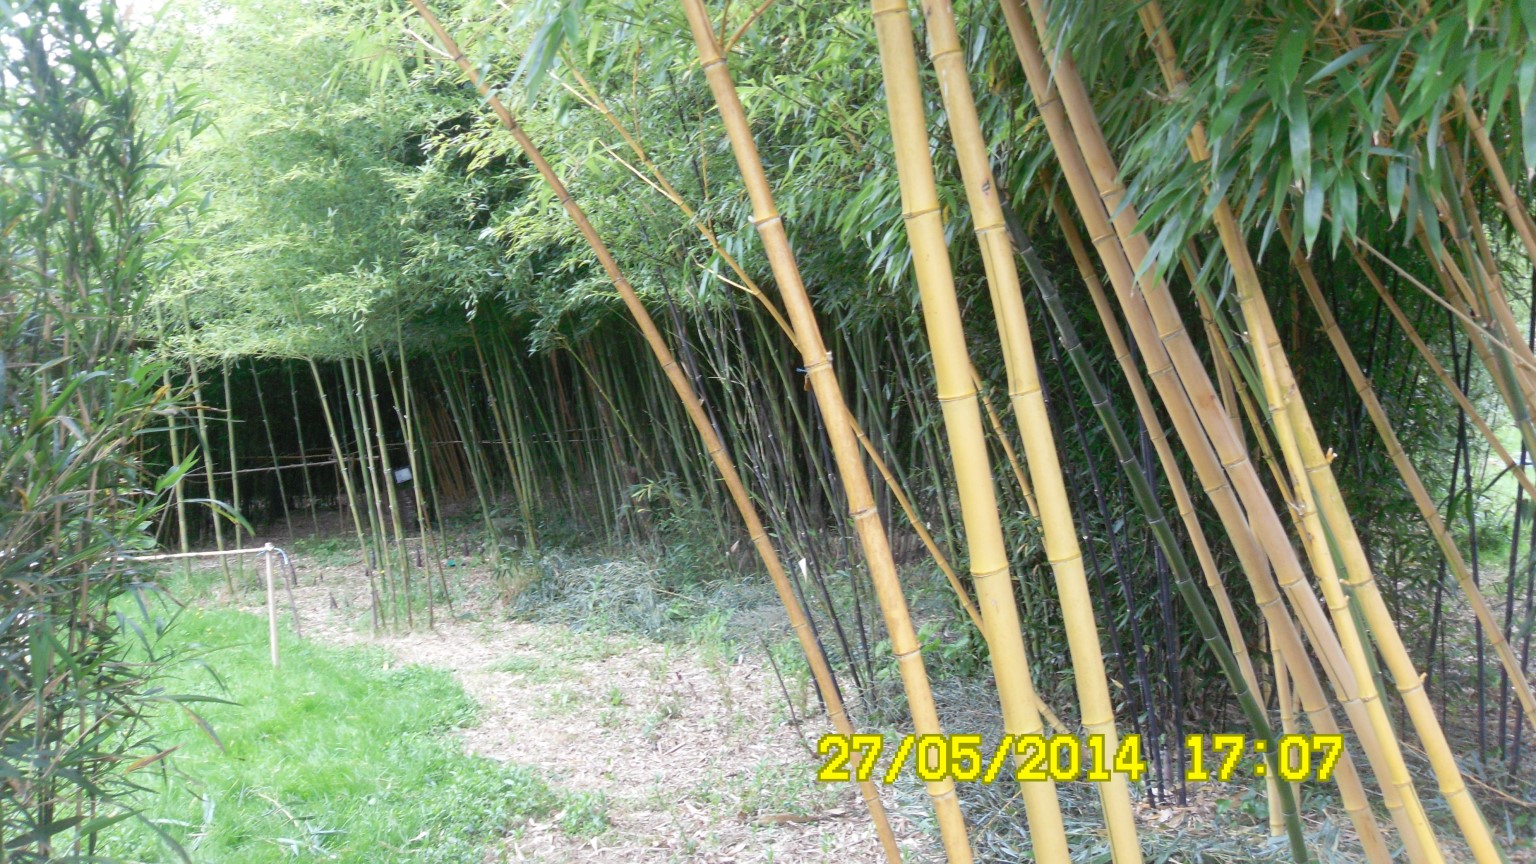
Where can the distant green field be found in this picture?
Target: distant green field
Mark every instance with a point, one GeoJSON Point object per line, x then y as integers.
{"type": "Point", "coordinates": [342, 755]}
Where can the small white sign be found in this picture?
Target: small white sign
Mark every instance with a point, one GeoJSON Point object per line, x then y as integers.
{"type": "Point", "coordinates": [402, 475]}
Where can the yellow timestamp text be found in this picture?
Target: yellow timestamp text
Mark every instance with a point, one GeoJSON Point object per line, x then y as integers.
{"type": "Point", "coordinates": [1292, 758]}
{"type": "Point", "coordinates": [1036, 758]}
{"type": "Point", "coordinates": [1069, 758]}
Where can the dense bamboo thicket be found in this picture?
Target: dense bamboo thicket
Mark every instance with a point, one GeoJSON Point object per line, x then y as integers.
{"type": "Point", "coordinates": [86, 203]}
{"type": "Point", "coordinates": [1168, 363]}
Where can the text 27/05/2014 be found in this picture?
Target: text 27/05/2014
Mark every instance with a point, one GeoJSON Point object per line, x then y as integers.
{"type": "Point", "coordinates": [1072, 758]}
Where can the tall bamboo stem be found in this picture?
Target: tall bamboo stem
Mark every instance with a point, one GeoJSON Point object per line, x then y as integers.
{"type": "Point", "coordinates": [298, 426]}
{"type": "Point", "coordinates": [1313, 476]}
{"type": "Point", "coordinates": [234, 463]}
{"type": "Point", "coordinates": [378, 551]}
{"type": "Point", "coordinates": [1171, 371]}
{"type": "Point", "coordinates": [1025, 391]}
{"type": "Point", "coordinates": [346, 478]}
{"type": "Point", "coordinates": [391, 497]}
{"type": "Point", "coordinates": [1416, 488]}
{"type": "Point", "coordinates": [179, 491]}
{"type": "Point", "coordinates": [696, 413]}
{"type": "Point", "coordinates": [277, 465]}
{"type": "Point", "coordinates": [835, 415]}
{"type": "Point", "coordinates": [1284, 404]}
{"type": "Point", "coordinates": [204, 444]}
{"type": "Point", "coordinates": [503, 436]}
{"type": "Point", "coordinates": [1183, 503]}
{"type": "Point", "coordinates": [1146, 500]}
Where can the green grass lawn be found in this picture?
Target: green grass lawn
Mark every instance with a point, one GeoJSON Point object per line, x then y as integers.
{"type": "Point", "coordinates": [341, 755]}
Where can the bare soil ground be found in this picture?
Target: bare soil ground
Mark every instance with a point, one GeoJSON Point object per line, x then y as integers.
{"type": "Point", "coordinates": [694, 751]}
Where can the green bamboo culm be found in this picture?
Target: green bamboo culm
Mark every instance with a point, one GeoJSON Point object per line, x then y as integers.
{"type": "Point", "coordinates": [1157, 521]}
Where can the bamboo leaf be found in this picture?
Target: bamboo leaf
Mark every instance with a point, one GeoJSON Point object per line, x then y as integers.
{"type": "Point", "coordinates": [1292, 50]}
{"type": "Point", "coordinates": [1346, 210]}
{"type": "Point", "coordinates": [201, 724]}
{"type": "Point", "coordinates": [1525, 90]}
{"type": "Point", "coordinates": [1311, 213]}
{"type": "Point", "coordinates": [173, 475]}
{"type": "Point", "coordinates": [1528, 136]}
{"type": "Point", "coordinates": [1397, 179]}
{"type": "Point", "coordinates": [1300, 137]}
{"type": "Point", "coordinates": [1432, 140]}
{"type": "Point", "coordinates": [1265, 130]}
{"type": "Point", "coordinates": [1474, 11]}
{"type": "Point", "coordinates": [561, 25]}
{"type": "Point", "coordinates": [151, 759]}
{"type": "Point", "coordinates": [1232, 109]}
{"type": "Point", "coordinates": [1357, 53]}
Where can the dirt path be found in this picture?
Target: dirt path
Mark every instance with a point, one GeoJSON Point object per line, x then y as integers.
{"type": "Point", "coordinates": [692, 750]}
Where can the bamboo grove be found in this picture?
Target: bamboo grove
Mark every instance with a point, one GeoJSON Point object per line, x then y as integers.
{"type": "Point", "coordinates": [1167, 366]}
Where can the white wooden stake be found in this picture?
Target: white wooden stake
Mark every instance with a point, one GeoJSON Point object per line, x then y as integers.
{"type": "Point", "coordinates": [271, 605]}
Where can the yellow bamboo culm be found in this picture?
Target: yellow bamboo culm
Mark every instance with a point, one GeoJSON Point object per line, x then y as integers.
{"type": "Point", "coordinates": [1281, 398]}
{"type": "Point", "coordinates": [1415, 484]}
{"type": "Point", "coordinates": [845, 448]}
{"type": "Point", "coordinates": [1315, 478]}
{"type": "Point", "coordinates": [1320, 499]}
{"type": "Point", "coordinates": [1028, 398]}
{"type": "Point", "coordinates": [1168, 354]}
{"type": "Point", "coordinates": [961, 410]}
{"type": "Point", "coordinates": [695, 410]}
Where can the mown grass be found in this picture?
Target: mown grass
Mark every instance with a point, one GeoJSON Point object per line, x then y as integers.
{"type": "Point", "coordinates": [341, 755]}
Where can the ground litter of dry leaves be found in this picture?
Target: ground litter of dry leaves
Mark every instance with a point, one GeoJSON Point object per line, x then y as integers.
{"type": "Point", "coordinates": [696, 757]}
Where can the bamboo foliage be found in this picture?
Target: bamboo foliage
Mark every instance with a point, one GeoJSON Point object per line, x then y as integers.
{"type": "Point", "coordinates": [85, 387]}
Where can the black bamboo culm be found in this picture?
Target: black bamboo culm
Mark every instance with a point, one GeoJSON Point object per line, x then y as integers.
{"type": "Point", "coordinates": [298, 428]}
{"type": "Point", "coordinates": [1528, 623]}
{"type": "Point", "coordinates": [234, 463]}
{"type": "Point", "coordinates": [1469, 503]}
{"type": "Point", "coordinates": [1152, 511]}
{"type": "Point", "coordinates": [1512, 580]}
{"type": "Point", "coordinates": [277, 463]}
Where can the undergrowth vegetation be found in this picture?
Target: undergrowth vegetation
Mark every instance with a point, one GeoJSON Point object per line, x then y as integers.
{"type": "Point", "coordinates": [342, 754]}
